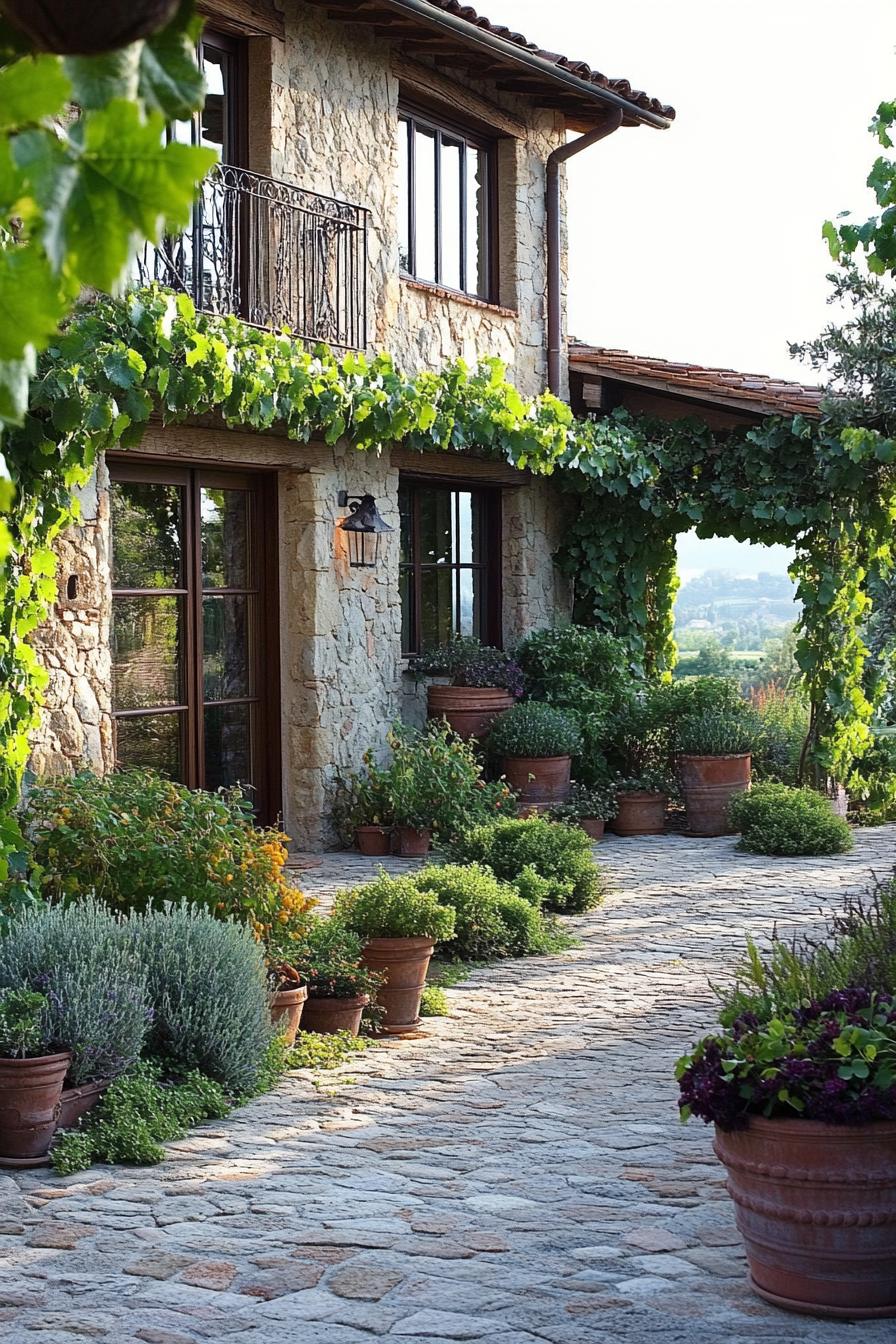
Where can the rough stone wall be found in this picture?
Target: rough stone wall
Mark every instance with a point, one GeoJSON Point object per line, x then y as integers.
{"type": "Point", "coordinates": [334, 129]}
{"type": "Point", "coordinates": [73, 645]}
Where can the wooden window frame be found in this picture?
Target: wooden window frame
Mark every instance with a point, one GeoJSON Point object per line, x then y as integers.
{"type": "Point", "coordinates": [413, 116]}
{"type": "Point", "coordinates": [490, 568]}
{"type": "Point", "coordinates": [264, 698]}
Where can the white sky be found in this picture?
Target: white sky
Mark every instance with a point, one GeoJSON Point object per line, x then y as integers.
{"type": "Point", "coordinates": [703, 243]}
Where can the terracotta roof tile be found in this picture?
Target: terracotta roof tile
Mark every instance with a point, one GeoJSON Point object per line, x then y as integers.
{"type": "Point", "coordinates": [727, 387]}
{"type": "Point", "coordinates": [580, 68]}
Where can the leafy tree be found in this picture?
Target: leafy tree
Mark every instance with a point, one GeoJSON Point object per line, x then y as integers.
{"type": "Point", "coordinates": [877, 236]}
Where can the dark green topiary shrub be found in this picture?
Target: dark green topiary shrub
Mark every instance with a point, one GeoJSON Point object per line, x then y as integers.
{"type": "Point", "coordinates": [775, 819]}
{"type": "Point", "coordinates": [491, 919]}
{"type": "Point", "coordinates": [549, 863]}
{"type": "Point", "coordinates": [208, 989]}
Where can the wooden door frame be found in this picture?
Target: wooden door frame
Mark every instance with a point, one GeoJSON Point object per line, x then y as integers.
{"type": "Point", "coordinates": [261, 484]}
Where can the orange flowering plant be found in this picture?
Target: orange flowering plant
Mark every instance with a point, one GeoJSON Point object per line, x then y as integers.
{"type": "Point", "coordinates": [135, 839]}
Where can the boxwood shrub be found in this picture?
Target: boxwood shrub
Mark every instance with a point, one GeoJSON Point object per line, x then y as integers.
{"type": "Point", "coordinates": [491, 918]}
{"type": "Point", "coordinates": [549, 863]}
{"type": "Point", "coordinates": [393, 907]}
{"type": "Point", "coordinates": [775, 819]}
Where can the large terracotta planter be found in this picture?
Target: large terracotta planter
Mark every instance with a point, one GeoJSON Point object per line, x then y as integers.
{"type": "Point", "coordinates": [709, 783]}
{"type": "Point", "coordinates": [403, 962]}
{"type": "Point", "coordinates": [640, 814]}
{"type": "Point", "coordinates": [540, 781]}
{"type": "Point", "coordinates": [413, 841]}
{"type": "Point", "coordinates": [816, 1207]}
{"type": "Point", "coordinates": [326, 1016]}
{"type": "Point", "coordinates": [286, 1010]}
{"type": "Point", "coordinates": [77, 1101]}
{"type": "Point", "coordinates": [374, 840]}
{"type": "Point", "coordinates": [79, 28]}
{"type": "Point", "coordinates": [30, 1094]}
{"type": "Point", "coordinates": [470, 710]}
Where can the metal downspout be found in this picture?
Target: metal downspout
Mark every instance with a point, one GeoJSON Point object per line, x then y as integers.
{"type": "Point", "coordinates": [552, 226]}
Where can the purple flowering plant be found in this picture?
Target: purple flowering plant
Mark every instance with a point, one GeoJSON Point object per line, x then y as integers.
{"type": "Point", "coordinates": [469, 663]}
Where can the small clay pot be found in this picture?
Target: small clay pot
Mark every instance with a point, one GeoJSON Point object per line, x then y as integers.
{"type": "Point", "coordinates": [816, 1207]}
{"type": "Point", "coordinates": [709, 783]}
{"type": "Point", "coordinates": [403, 962]}
{"type": "Point", "coordinates": [30, 1096]}
{"type": "Point", "coordinates": [326, 1015]}
{"type": "Point", "coordinates": [84, 28]}
{"type": "Point", "coordinates": [286, 1010]}
{"type": "Point", "coordinates": [593, 826]}
{"type": "Point", "coordinates": [373, 840]}
{"type": "Point", "coordinates": [77, 1101]}
{"type": "Point", "coordinates": [540, 781]}
{"type": "Point", "coordinates": [413, 842]}
{"type": "Point", "coordinates": [470, 710]}
{"type": "Point", "coordinates": [640, 814]}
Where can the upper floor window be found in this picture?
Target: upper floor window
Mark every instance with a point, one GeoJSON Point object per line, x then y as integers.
{"type": "Point", "coordinates": [221, 124]}
{"type": "Point", "coordinates": [450, 571]}
{"type": "Point", "coordinates": [446, 211]}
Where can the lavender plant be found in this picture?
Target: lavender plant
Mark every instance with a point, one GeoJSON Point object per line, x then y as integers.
{"type": "Point", "coordinates": [80, 958]}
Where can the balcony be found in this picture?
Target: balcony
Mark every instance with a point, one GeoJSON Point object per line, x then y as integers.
{"type": "Point", "coordinates": [272, 254]}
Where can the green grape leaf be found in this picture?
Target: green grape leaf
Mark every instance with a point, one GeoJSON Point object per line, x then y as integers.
{"type": "Point", "coordinates": [31, 301]}
{"type": "Point", "coordinates": [31, 89]}
{"type": "Point", "coordinates": [170, 81]}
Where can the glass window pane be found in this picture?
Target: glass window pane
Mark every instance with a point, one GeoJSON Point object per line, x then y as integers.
{"type": "Point", "coordinates": [405, 514]}
{"type": "Point", "coordinates": [452, 157]}
{"type": "Point", "coordinates": [406, 588]}
{"type": "Point", "coordinates": [225, 538]}
{"type": "Point", "coordinates": [404, 218]}
{"type": "Point", "coordinates": [151, 742]}
{"type": "Point", "coordinates": [463, 504]}
{"type": "Point", "coordinates": [147, 652]}
{"type": "Point", "coordinates": [437, 599]}
{"type": "Point", "coordinates": [468, 614]}
{"type": "Point", "coordinates": [215, 123]}
{"type": "Point", "coordinates": [225, 647]}
{"type": "Point", "coordinates": [425, 204]}
{"type": "Point", "coordinates": [477, 206]}
{"type": "Point", "coordinates": [436, 527]}
{"type": "Point", "coordinates": [146, 535]}
{"type": "Point", "coordinates": [228, 750]}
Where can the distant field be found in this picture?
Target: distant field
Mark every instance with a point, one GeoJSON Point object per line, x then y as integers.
{"type": "Point", "coordinates": [739, 655]}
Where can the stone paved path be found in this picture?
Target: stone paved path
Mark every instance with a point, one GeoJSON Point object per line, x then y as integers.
{"type": "Point", "coordinates": [516, 1176]}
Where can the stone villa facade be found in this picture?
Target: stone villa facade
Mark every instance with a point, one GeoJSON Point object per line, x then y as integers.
{"type": "Point", "coordinates": [385, 161]}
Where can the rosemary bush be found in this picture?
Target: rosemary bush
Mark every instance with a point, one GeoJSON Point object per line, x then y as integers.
{"type": "Point", "coordinates": [80, 957]}
{"type": "Point", "coordinates": [207, 986]}
{"type": "Point", "coordinates": [537, 730]}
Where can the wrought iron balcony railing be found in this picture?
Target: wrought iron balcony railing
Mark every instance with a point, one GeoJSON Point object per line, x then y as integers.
{"type": "Point", "coordinates": [274, 255]}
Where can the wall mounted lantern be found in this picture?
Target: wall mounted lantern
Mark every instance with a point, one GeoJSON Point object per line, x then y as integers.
{"type": "Point", "coordinates": [364, 527]}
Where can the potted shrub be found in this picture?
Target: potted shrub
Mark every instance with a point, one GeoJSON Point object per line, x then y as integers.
{"type": "Point", "coordinates": [640, 747]}
{"type": "Point", "coordinates": [715, 764]}
{"type": "Point", "coordinates": [30, 1079]}
{"type": "Point", "coordinates": [800, 1083]}
{"type": "Point", "coordinates": [483, 682]}
{"type": "Point", "coordinates": [400, 926]}
{"type": "Point", "coordinates": [339, 985]}
{"type": "Point", "coordinates": [363, 811]}
{"type": "Point", "coordinates": [641, 803]}
{"type": "Point", "coordinates": [588, 807]}
{"type": "Point", "coordinates": [536, 744]}
{"type": "Point", "coordinates": [435, 786]}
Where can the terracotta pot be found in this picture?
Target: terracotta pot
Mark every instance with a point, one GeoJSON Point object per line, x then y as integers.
{"type": "Point", "coordinates": [540, 781]}
{"type": "Point", "coordinates": [373, 840]}
{"type": "Point", "coordinates": [328, 1015]}
{"type": "Point", "coordinates": [640, 814]}
{"type": "Point", "coordinates": [413, 842]}
{"type": "Point", "coordinates": [286, 1010]}
{"type": "Point", "coordinates": [709, 784]}
{"type": "Point", "coordinates": [30, 1092]}
{"type": "Point", "coordinates": [79, 28]}
{"type": "Point", "coordinates": [404, 963]}
{"type": "Point", "coordinates": [816, 1207]}
{"type": "Point", "coordinates": [593, 826]}
{"type": "Point", "coordinates": [470, 710]}
{"type": "Point", "coordinates": [77, 1101]}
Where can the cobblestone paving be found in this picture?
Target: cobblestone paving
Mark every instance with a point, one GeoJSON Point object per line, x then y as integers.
{"type": "Point", "coordinates": [516, 1175]}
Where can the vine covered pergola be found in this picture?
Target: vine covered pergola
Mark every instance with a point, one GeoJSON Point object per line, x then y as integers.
{"type": "Point", "coordinates": [634, 483]}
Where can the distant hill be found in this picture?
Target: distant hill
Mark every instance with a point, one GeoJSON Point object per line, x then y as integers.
{"type": "Point", "coordinates": [742, 610]}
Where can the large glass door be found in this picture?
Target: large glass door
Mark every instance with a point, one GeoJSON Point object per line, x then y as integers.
{"type": "Point", "coordinates": [193, 669]}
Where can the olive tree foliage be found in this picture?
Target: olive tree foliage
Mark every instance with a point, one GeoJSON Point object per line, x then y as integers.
{"type": "Point", "coordinates": [876, 238]}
